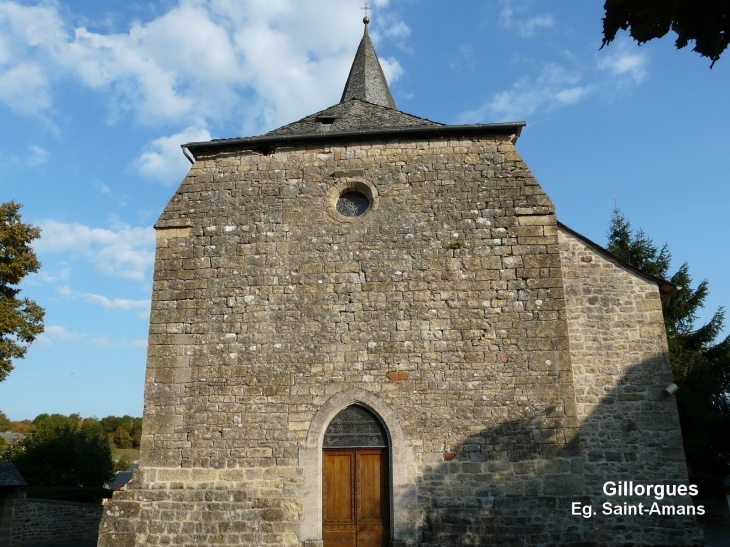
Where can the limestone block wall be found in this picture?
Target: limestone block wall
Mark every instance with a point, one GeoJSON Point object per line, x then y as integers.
{"type": "Point", "coordinates": [443, 305]}
{"type": "Point", "coordinates": [37, 521]}
{"type": "Point", "coordinates": [629, 430]}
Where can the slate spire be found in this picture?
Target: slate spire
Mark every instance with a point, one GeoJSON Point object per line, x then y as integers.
{"type": "Point", "coordinates": [366, 80]}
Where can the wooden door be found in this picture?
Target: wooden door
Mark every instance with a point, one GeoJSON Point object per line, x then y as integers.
{"type": "Point", "coordinates": [355, 494]}
{"type": "Point", "coordinates": [372, 495]}
{"type": "Point", "coordinates": [338, 498]}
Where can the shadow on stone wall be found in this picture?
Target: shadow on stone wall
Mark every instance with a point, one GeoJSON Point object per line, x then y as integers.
{"type": "Point", "coordinates": [51, 522]}
{"type": "Point", "coordinates": [512, 484]}
{"type": "Point", "coordinates": [523, 492]}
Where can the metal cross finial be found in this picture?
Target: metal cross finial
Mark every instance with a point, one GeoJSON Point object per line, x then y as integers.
{"type": "Point", "coordinates": [366, 19]}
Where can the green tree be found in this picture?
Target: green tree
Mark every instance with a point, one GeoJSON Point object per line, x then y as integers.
{"type": "Point", "coordinates": [21, 320]}
{"type": "Point", "coordinates": [63, 452]}
{"type": "Point", "coordinates": [22, 426]}
{"type": "Point", "coordinates": [122, 438]}
{"type": "Point", "coordinates": [49, 422]}
{"type": "Point", "coordinates": [705, 22]}
{"type": "Point", "coordinates": [5, 423]}
{"type": "Point", "coordinates": [136, 432]}
{"type": "Point", "coordinates": [700, 362]}
{"type": "Point", "coordinates": [111, 423]}
{"type": "Point", "coordinates": [133, 427]}
{"type": "Point", "coordinates": [122, 464]}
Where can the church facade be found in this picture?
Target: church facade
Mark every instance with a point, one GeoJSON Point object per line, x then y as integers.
{"type": "Point", "coordinates": [370, 329]}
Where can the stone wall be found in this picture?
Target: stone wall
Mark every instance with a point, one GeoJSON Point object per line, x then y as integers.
{"type": "Point", "coordinates": [445, 302]}
{"type": "Point", "coordinates": [37, 521]}
{"type": "Point", "coordinates": [629, 429]}
{"type": "Point", "coordinates": [441, 309]}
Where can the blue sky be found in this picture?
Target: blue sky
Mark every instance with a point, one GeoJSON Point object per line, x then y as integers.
{"type": "Point", "coordinates": [96, 97]}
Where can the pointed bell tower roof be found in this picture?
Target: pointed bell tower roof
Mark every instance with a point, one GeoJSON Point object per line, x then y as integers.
{"type": "Point", "coordinates": [366, 104]}
{"type": "Point", "coordinates": [366, 110]}
{"type": "Point", "coordinates": [366, 80]}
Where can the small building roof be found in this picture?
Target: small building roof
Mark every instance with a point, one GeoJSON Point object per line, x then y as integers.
{"type": "Point", "coordinates": [10, 476]}
{"type": "Point", "coordinates": [11, 437]}
{"type": "Point", "coordinates": [122, 478]}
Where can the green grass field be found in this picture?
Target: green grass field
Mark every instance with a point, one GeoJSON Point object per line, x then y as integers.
{"type": "Point", "coordinates": [132, 454]}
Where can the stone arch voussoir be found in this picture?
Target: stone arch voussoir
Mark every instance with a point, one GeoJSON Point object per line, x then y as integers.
{"type": "Point", "coordinates": [310, 460]}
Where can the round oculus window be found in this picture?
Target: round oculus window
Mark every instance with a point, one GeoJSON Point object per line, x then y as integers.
{"type": "Point", "coordinates": [352, 204]}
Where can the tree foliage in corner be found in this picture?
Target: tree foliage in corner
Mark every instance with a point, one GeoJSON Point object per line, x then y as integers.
{"type": "Point", "coordinates": [706, 22]}
{"type": "Point", "coordinates": [21, 320]}
{"type": "Point", "coordinates": [700, 363]}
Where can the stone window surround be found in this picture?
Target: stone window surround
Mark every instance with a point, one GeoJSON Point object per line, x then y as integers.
{"type": "Point", "coordinates": [348, 184]}
{"type": "Point", "coordinates": [310, 460]}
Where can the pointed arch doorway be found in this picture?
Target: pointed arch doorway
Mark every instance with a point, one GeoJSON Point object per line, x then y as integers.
{"type": "Point", "coordinates": [355, 481]}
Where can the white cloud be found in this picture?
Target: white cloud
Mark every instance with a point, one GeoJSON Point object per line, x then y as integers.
{"type": "Point", "coordinates": [124, 304]}
{"type": "Point", "coordinates": [114, 303]}
{"type": "Point", "coordinates": [623, 59]}
{"type": "Point", "coordinates": [31, 25]}
{"type": "Point", "coordinates": [391, 68]}
{"type": "Point", "coordinates": [387, 24]}
{"type": "Point", "coordinates": [201, 62]}
{"type": "Point", "coordinates": [397, 29]}
{"type": "Point", "coordinates": [570, 95]}
{"type": "Point", "coordinates": [165, 161]}
{"type": "Point", "coordinates": [25, 88]}
{"type": "Point", "coordinates": [27, 36]}
{"type": "Point", "coordinates": [123, 250]}
{"type": "Point", "coordinates": [526, 26]}
{"type": "Point", "coordinates": [553, 87]}
{"type": "Point", "coordinates": [55, 333]}
{"type": "Point", "coordinates": [37, 156]}
{"type": "Point", "coordinates": [61, 274]}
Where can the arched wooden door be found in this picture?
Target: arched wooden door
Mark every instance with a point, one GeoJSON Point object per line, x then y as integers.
{"type": "Point", "coordinates": [355, 481]}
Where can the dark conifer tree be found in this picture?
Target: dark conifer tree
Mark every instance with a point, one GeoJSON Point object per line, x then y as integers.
{"type": "Point", "coordinates": [700, 363]}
